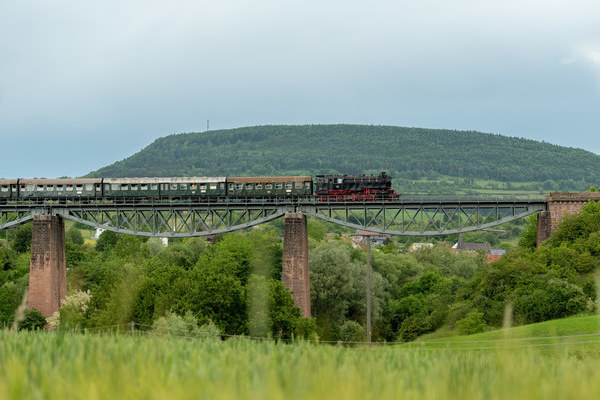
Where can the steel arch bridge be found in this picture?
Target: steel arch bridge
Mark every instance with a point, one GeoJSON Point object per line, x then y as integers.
{"type": "Point", "coordinates": [409, 216]}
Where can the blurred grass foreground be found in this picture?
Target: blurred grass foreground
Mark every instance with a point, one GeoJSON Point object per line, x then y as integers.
{"type": "Point", "coordinates": [46, 365]}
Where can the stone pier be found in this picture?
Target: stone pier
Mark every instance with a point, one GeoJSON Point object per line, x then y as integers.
{"type": "Point", "coordinates": [47, 271]}
{"type": "Point", "coordinates": [559, 205]}
{"type": "Point", "coordinates": [295, 260]}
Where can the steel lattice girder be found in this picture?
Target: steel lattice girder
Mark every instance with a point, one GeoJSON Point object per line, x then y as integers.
{"type": "Point", "coordinates": [10, 219]}
{"type": "Point", "coordinates": [174, 222]}
{"type": "Point", "coordinates": [411, 218]}
{"type": "Point", "coordinates": [422, 219]}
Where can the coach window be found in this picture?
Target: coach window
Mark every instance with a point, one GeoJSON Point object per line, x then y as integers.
{"type": "Point", "coordinates": [89, 187]}
{"type": "Point", "coordinates": [50, 188]}
{"type": "Point", "coordinates": [124, 186]}
{"type": "Point", "coordinates": [193, 186]}
{"type": "Point", "coordinates": [154, 186]}
{"type": "Point", "coordinates": [40, 188]}
{"type": "Point", "coordinates": [143, 187]}
{"type": "Point", "coordinates": [79, 188]}
{"type": "Point", "coordinates": [203, 186]}
{"type": "Point", "coordinates": [173, 186]}
{"type": "Point", "coordinates": [59, 188]}
{"type": "Point", "coordinates": [279, 185]}
{"type": "Point", "coordinates": [259, 186]}
{"type": "Point", "coordinates": [183, 186]}
{"type": "Point", "coordinates": [238, 186]}
{"type": "Point", "coordinates": [288, 185]}
{"type": "Point", "coordinates": [306, 185]}
{"type": "Point", "coordinates": [231, 186]}
{"type": "Point", "coordinates": [114, 187]}
{"type": "Point", "coordinates": [134, 186]}
{"type": "Point", "coordinates": [69, 188]}
{"type": "Point", "coordinates": [269, 186]}
{"type": "Point", "coordinates": [248, 186]}
{"type": "Point", "coordinates": [4, 188]}
{"type": "Point", "coordinates": [298, 185]}
{"type": "Point", "coordinates": [213, 186]}
{"type": "Point", "coordinates": [222, 185]}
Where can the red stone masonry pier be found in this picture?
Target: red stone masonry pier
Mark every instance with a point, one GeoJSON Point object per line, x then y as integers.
{"type": "Point", "coordinates": [47, 271]}
{"type": "Point", "coordinates": [295, 260]}
{"type": "Point", "coordinates": [559, 205]}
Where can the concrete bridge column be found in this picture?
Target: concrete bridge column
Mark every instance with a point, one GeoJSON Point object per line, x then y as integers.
{"type": "Point", "coordinates": [295, 260]}
{"type": "Point", "coordinates": [47, 271]}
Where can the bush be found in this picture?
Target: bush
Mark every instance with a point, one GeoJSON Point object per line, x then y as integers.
{"type": "Point", "coordinates": [74, 236]}
{"type": "Point", "coordinates": [351, 331]}
{"type": "Point", "coordinates": [33, 320]}
{"type": "Point", "coordinates": [72, 314]}
{"type": "Point", "coordinates": [413, 326]}
{"type": "Point", "coordinates": [549, 299]}
{"type": "Point", "coordinates": [209, 330]}
{"type": "Point", "coordinates": [306, 328]}
{"type": "Point", "coordinates": [175, 325]}
{"type": "Point", "coordinates": [472, 323]}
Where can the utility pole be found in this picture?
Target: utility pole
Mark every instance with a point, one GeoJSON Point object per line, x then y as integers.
{"type": "Point", "coordinates": [368, 289]}
{"type": "Point", "coordinates": [207, 125]}
{"type": "Point", "coordinates": [365, 234]}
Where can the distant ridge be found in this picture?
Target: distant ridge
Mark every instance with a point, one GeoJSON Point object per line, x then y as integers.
{"type": "Point", "coordinates": [405, 153]}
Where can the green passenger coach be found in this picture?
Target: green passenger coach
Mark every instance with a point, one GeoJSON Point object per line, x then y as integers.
{"type": "Point", "coordinates": [60, 188]}
{"type": "Point", "coordinates": [269, 186]}
{"type": "Point", "coordinates": [8, 188]}
{"type": "Point", "coordinates": [164, 187]}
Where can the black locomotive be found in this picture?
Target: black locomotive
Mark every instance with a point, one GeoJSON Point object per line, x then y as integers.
{"type": "Point", "coordinates": [354, 188]}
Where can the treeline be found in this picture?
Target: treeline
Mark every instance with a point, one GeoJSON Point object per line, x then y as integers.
{"type": "Point", "coordinates": [409, 153]}
{"type": "Point", "coordinates": [234, 284]}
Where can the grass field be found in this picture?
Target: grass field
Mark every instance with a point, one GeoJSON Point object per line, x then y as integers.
{"type": "Point", "coordinates": [76, 366]}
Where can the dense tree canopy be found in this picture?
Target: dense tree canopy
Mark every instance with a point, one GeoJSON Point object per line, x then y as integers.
{"type": "Point", "coordinates": [406, 153]}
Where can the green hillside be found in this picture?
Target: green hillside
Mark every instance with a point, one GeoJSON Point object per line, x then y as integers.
{"type": "Point", "coordinates": [420, 160]}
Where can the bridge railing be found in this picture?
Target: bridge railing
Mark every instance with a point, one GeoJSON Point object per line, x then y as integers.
{"type": "Point", "coordinates": [280, 200]}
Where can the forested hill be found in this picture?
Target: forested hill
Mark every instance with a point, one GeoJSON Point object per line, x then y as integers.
{"type": "Point", "coordinates": [408, 154]}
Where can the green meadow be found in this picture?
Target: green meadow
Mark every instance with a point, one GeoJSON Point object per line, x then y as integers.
{"type": "Point", "coordinates": [523, 363]}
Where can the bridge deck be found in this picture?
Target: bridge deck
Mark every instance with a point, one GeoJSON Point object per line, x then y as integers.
{"type": "Point", "coordinates": [206, 216]}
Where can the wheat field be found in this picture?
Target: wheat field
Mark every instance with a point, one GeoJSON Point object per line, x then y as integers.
{"type": "Point", "coordinates": [84, 366]}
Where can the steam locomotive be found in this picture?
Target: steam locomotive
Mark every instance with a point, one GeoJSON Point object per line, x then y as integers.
{"type": "Point", "coordinates": [324, 188]}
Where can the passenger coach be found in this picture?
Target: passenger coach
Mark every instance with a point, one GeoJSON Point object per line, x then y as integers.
{"type": "Point", "coordinates": [164, 187]}
{"type": "Point", "coordinates": [59, 188]}
{"type": "Point", "coordinates": [269, 186]}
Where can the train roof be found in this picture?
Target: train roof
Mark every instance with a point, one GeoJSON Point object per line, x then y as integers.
{"type": "Point", "coordinates": [201, 179]}
{"type": "Point", "coordinates": [8, 181]}
{"type": "Point", "coordinates": [267, 179]}
{"type": "Point", "coordinates": [59, 181]}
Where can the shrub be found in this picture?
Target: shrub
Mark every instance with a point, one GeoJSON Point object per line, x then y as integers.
{"type": "Point", "coordinates": [351, 331]}
{"type": "Point", "coordinates": [413, 326]}
{"type": "Point", "coordinates": [548, 299]}
{"type": "Point", "coordinates": [472, 323]}
{"type": "Point", "coordinates": [306, 328]}
{"type": "Point", "coordinates": [175, 325]}
{"type": "Point", "coordinates": [209, 330]}
{"type": "Point", "coordinates": [72, 313]}
{"type": "Point", "coordinates": [74, 235]}
{"type": "Point", "coordinates": [33, 320]}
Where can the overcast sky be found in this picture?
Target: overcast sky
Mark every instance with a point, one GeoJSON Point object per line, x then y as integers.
{"type": "Point", "coordinates": [87, 83]}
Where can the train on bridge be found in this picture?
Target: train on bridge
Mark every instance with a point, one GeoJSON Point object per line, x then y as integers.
{"type": "Point", "coordinates": [322, 188]}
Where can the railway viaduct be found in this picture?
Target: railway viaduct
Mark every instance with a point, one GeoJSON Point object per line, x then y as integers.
{"type": "Point", "coordinates": [408, 216]}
